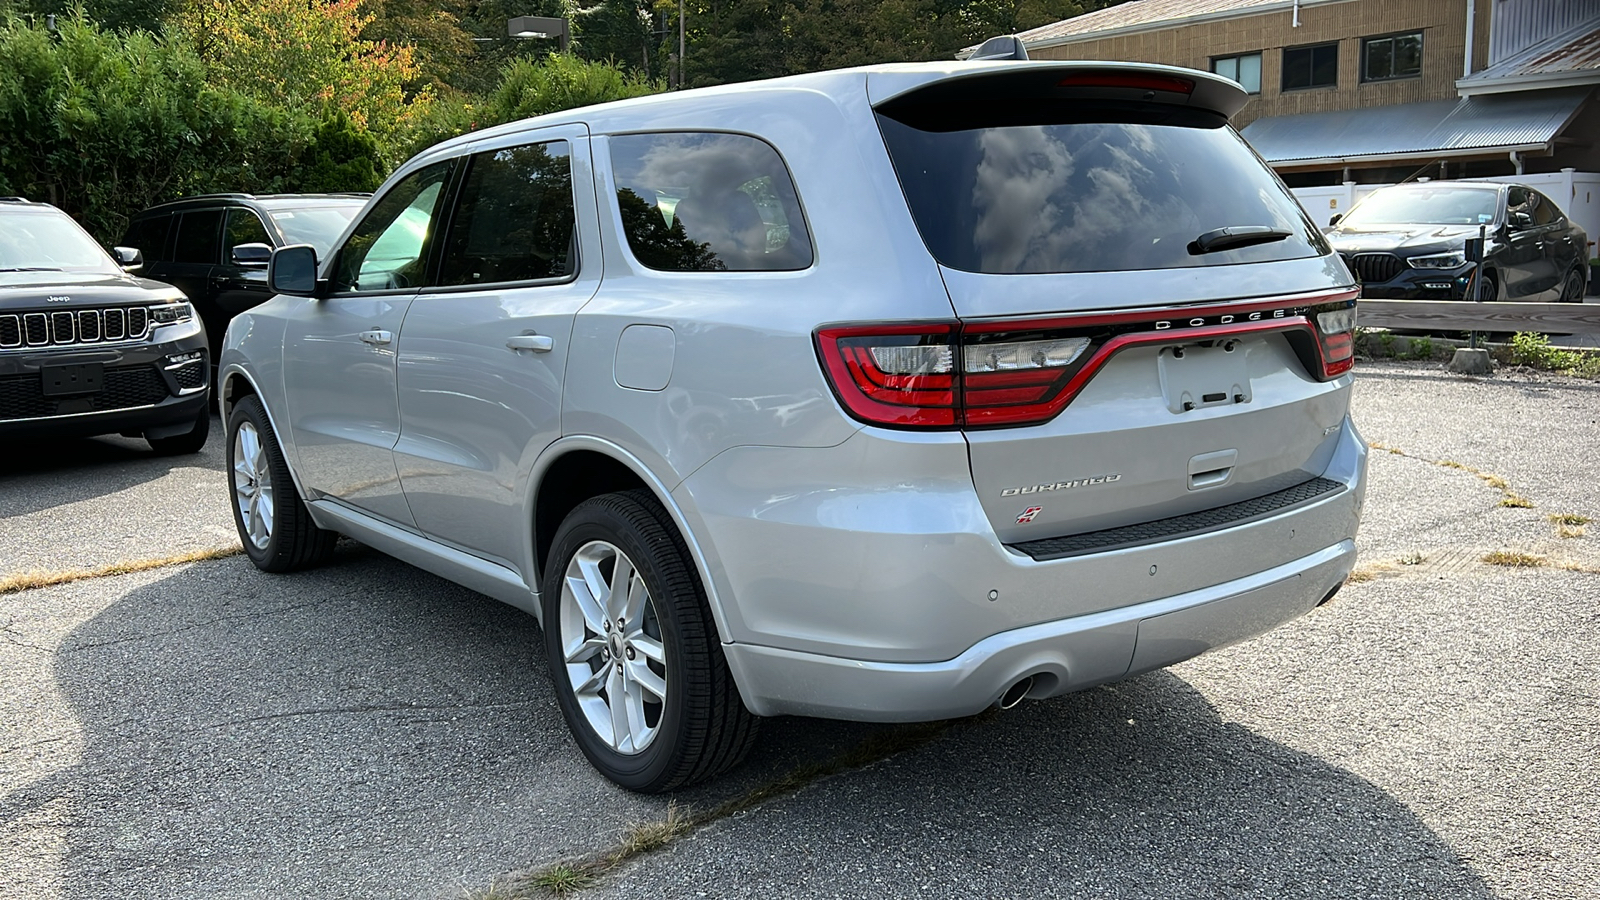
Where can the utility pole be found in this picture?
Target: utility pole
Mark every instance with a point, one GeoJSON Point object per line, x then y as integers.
{"type": "Point", "coordinates": [680, 44]}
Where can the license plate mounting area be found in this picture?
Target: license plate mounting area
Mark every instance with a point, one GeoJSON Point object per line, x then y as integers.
{"type": "Point", "coordinates": [1208, 373]}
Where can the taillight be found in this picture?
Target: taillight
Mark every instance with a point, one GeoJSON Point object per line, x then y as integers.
{"type": "Point", "coordinates": [1336, 339]}
{"type": "Point", "coordinates": [1143, 81]}
{"type": "Point", "coordinates": [1006, 373]}
{"type": "Point", "coordinates": [894, 375]}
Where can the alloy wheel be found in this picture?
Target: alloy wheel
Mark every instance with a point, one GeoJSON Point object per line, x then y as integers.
{"type": "Point", "coordinates": [252, 485]}
{"type": "Point", "coordinates": [612, 648]}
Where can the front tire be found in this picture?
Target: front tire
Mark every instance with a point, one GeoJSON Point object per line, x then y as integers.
{"type": "Point", "coordinates": [274, 525]}
{"type": "Point", "coordinates": [638, 669]}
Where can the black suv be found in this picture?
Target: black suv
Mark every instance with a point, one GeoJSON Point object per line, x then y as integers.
{"type": "Point", "coordinates": [85, 347]}
{"type": "Point", "coordinates": [1409, 242]}
{"type": "Point", "coordinates": [215, 247]}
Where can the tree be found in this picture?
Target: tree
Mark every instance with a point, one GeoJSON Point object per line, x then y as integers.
{"type": "Point", "coordinates": [308, 56]}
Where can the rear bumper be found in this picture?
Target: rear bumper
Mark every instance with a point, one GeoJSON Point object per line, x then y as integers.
{"type": "Point", "coordinates": [1062, 656]}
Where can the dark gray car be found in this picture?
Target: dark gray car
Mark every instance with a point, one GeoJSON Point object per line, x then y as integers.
{"type": "Point", "coordinates": [87, 348]}
{"type": "Point", "coordinates": [1411, 242]}
{"type": "Point", "coordinates": [215, 247]}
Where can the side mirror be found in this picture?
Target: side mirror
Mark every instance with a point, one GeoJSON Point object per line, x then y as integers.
{"type": "Point", "coordinates": [252, 255]}
{"type": "Point", "coordinates": [1334, 219]}
{"type": "Point", "coordinates": [293, 270]}
{"type": "Point", "coordinates": [131, 259]}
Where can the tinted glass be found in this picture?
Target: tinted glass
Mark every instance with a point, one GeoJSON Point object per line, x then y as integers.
{"type": "Point", "coordinates": [386, 250]}
{"type": "Point", "coordinates": [318, 226]}
{"type": "Point", "coordinates": [1544, 212]}
{"type": "Point", "coordinates": [150, 236]}
{"type": "Point", "coordinates": [198, 236]}
{"type": "Point", "coordinates": [244, 227]}
{"type": "Point", "coordinates": [1089, 196]}
{"type": "Point", "coordinates": [1395, 56]}
{"type": "Point", "coordinates": [48, 240]}
{"type": "Point", "coordinates": [514, 221]}
{"type": "Point", "coordinates": [1424, 206]}
{"type": "Point", "coordinates": [708, 202]}
{"type": "Point", "coordinates": [1305, 67]}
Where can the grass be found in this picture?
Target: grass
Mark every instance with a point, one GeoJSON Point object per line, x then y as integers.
{"type": "Point", "coordinates": [569, 876]}
{"type": "Point", "coordinates": [1509, 497]}
{"type": "Point", "coordinates": [1515, 559]}
{"type": "Point", "coordinates": [1516, 501]}
{"type": "Point", "coordinates": [1414, 558]}
{"type": "Point", "coordinates": [1534, 350]}
{"type": "Point", "coordinates": [42, 578]}
{"type": "Point", "coordinates": [1569, 519]}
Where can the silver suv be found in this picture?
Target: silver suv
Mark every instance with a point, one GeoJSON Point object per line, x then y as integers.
{"type": "Point", "coordinates": [885, 394]}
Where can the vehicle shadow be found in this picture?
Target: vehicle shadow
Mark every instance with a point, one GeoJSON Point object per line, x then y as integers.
{"type": "Point", "coordinates": [366, 729]}
{"type": "Point", "coordinates": [31, 470]}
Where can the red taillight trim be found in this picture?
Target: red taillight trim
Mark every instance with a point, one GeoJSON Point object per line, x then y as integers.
{"type": "Point", "coordinates": [1142, 81]}
{"type": "Point", "coordinates": [962, 399]}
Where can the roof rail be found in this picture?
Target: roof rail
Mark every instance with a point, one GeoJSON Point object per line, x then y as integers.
{"type": "Point", "coordinates": [15, 200]}
{"type": "Point", "coordinates": [1007, 46]}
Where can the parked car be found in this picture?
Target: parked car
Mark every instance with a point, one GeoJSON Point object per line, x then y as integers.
{"type": "Point", "coordinates": [1410, 242]}
{"type": "Point", "coordinates": [87, 348]}
{"type": "Point", "coordinates": [885, 394]}
{"type": "Point", "coordinates": [215, 247]}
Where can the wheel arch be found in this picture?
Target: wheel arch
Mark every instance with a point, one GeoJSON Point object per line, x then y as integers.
{"type": "Point", "coordinates": [576, 468]}
{"type": "Point", "coordinates": [233, 385]}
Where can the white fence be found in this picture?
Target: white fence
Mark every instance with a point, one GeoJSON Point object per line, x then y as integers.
{"type": "Point", "coordinates": [1577, 193]}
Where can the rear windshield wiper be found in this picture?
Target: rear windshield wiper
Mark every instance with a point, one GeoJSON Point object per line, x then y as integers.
{"type": "Point", "coordinates": [33, 269]}
{"type": "Point", "coordinates": [1235, 236]}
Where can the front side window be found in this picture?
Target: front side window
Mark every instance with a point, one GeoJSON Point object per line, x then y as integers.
{"type": "Point", "coordinates": [244, 227]}
{"type": "Point", "coordinates": [198, 234]}
{"type": "Point", "coordinates": [1310, 67]}
{"type": "Point", "coordinates": [707, 202]}
{"type": "Point", "coordinates": [387, 250]}
{"type": "Point", "coordinates": [1245, 69]}
{"type": "Point", "coordinates": [514, 221]}
{"type": "Point", "coordinates": [1392, 56]}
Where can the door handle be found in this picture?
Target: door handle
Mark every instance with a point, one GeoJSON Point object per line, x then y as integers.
{"type": "Point", "coordinates": [376, 337]}
{"type": "Point", "coordinates": [538, 343]}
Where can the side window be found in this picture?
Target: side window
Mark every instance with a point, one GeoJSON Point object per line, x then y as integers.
{"type": "Point", "coordinates": [198, 234]}
{"type": "Point", "coordinates": [1544, 212]}
{"type": "Point", "coordinates": [1519, 207]}
{"type": "Point", "coordinates": [708, 202]}
{"type": "Point", "coordinates": [387, 249]}
{"type": "Point", "coordinates": [514, 221]}
{"type": "Point", "coordinates": [150, 236]}
{"type": "Point", "coordinates": [244, 227]}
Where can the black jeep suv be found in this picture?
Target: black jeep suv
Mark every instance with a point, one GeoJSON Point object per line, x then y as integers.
{"type": "Point", "coordinates": [85, 347]}
{"type": "Point", "coordinates": [215, 247]}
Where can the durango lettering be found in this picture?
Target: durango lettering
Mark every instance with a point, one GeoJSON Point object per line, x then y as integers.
{"type": "Point", "coordinates": [1060, 485]}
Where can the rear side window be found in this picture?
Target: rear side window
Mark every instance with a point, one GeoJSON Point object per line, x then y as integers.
{"type": "Point", "coordinates": [244, 227]}
{"type": "Point", "coordinates": [707, 202]}
{"type": "Point", "coordinates": [1058, 189]}
{"type": "Point", "coordinates": [198, 236]}
{"type": "Point", "coordinates": [514, 221]}
{"type": "Point", "coordinates": [150, 237]}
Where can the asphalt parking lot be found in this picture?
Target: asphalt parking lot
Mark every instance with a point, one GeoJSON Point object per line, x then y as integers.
{"type": "Point", "coordinates": [366, 730]}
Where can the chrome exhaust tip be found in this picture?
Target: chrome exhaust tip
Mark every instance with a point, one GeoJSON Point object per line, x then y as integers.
{"type": "Point", "coordinates": [1014, 694]}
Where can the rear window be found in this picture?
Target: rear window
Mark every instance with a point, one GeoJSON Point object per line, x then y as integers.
{"type": "Point", "coordinates": [1074, 189]}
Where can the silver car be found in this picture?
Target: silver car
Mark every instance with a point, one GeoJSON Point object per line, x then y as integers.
{"type": "Point", "coordinates": [886, 394]}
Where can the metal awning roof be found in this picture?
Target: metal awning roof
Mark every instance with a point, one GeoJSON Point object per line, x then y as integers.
{"type": "Point", "coordinates": [1473, 126]}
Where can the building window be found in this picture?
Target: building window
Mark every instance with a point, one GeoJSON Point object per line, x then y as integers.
{"type": "Point", "coordinates": [1310, 67]}
{"type": "Point", "coordinates": [1244, 68]}
{"type": "Point", "coordinates": [1392, 56]}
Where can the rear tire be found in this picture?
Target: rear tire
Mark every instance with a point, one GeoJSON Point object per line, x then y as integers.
{"type": "Point", "coordinates": [1573, 288]}
{"type": "Point", "coordinates": [274, 525]}
{"type": "Point", "coordinates": [635, 658]}
{"type": "Point", "coordinates": [189, 442]}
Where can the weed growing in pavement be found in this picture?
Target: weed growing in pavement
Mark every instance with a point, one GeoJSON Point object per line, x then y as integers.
{"type": "Point", "coordinates": [1570, 531]}
{"type": "Point", "coordinates": [1421, 348]}
{"type": "Point", "coordinates": [570, 876]}
{"type": "Point", "coordinates": [27, 581]}
{"type": "Point", "coordinates": [1571, 519]}
{"type": "Point", "coordinates": [1516, 501]}
{"type": "Point", "coordinates": [1515, 559]}
{"type": "Point", "coordinates": [1414, 558]}
{"type": "Point", "coordinates": [1508, 498]}
{"type": "Point", "coordinates": [1534, 350]}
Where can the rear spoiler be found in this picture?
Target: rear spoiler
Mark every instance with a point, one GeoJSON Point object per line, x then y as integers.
{"type": "Point", "coordinates": [1046, 81]}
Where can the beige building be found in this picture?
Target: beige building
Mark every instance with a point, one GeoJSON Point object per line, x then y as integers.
{"type": "Point", "coordinates": [1371, 90]}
